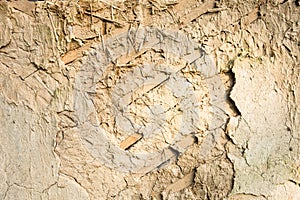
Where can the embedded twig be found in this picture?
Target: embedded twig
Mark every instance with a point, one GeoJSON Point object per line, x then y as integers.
{"type": "Point", "coordinates": [182, 183]}
{"type": "Point", "coordinates": [53, 27]}
{"type": "Point", "coordinates": [113, 6]}
{"type": "Point", "coordinates": [91, 8]}
{"type": "Point", "coordinates": [198, 11]}
{"type": "Point", "coordinates": [251, 17]}
{"type": "Point", "coordinates": [129, 141]}
{"type": "Point", "coordinates": [112, 13]}
{"type": "Point", "coordinates": [102, 39]}
{"type": "Point", "coordinates": [105, 19]}
{"type": "Point", "coordinates": [214, 10]}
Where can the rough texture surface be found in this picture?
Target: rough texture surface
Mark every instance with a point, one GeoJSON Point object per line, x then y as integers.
{"type": "Point", "coordinates": [156, 99]}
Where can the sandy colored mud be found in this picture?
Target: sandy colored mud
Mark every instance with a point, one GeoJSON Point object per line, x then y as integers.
{"type": "Point", "coordinates": [150, 99]}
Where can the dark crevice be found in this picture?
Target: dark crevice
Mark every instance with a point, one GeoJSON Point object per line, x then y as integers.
{"type": "Point", "coordinates": [5, 45]}
{"type": "Point", "coordinates": [232, 82]}
{"type": "Point", "coordinates": [284, 2]}
{"type": "Point", "coordinates": [24, 78]}
{"type": "Point", "coordinates": [296, 183]}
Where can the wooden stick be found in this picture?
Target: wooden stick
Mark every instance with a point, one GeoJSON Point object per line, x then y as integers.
{"type": "Point", "coordinates": [129, 141]}
{"type": "Point", "coordinates": [105, 19]}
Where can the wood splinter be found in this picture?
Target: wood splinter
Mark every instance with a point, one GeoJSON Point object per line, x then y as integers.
{"type": "Point", "coordinates": [182, 183]}
{"type": "Point", "coordinates": [129, 141]}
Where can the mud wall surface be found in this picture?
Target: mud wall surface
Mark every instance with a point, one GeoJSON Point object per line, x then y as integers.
{"type": "Point", "coordinates": [149, 99]}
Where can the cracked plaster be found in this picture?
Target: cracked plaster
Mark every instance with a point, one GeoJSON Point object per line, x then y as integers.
{"type": "Point", "coordinates": [251, 152]}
